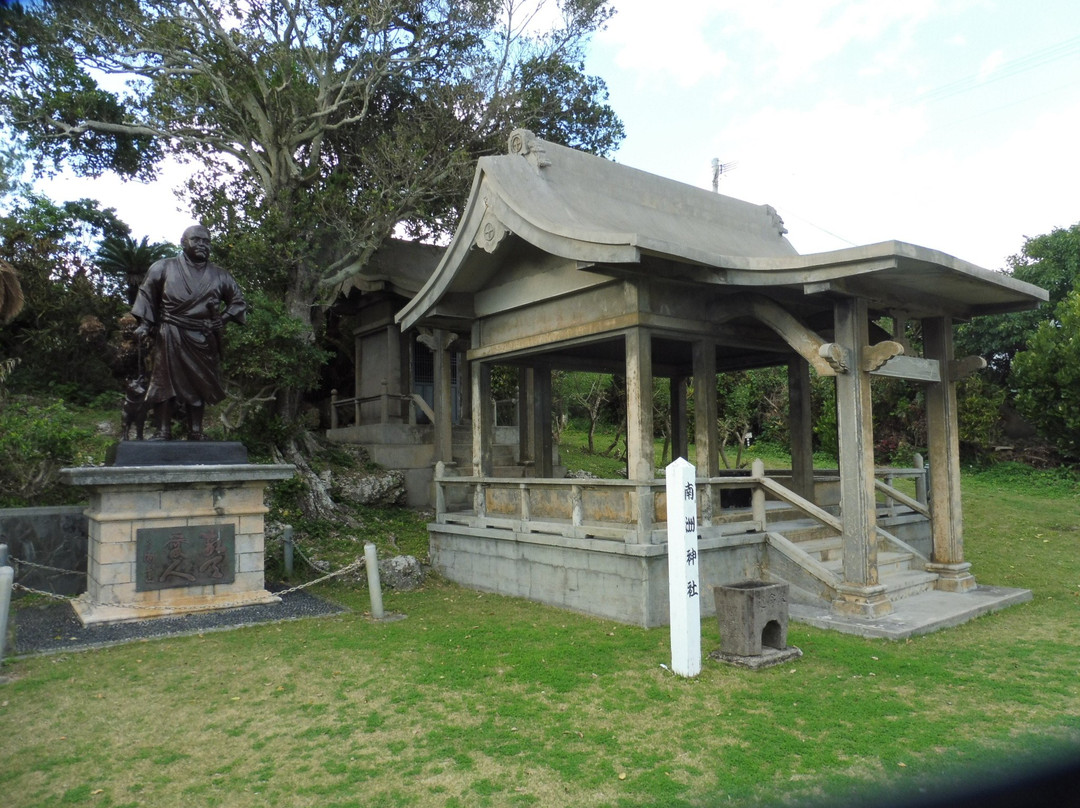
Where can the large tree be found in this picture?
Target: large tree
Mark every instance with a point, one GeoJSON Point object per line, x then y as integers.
{"type": "Point", "coordinates": [323, 126]}
{"type": "Point", "coordinates": [71, 303]}
{"type": "Point", "coordinates": [326, 124]}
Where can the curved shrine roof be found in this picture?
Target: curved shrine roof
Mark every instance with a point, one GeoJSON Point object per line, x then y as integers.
{"type": "Point", "coordinates": [611, 218]}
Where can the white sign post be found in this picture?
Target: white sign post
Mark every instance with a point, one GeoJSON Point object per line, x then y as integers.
{"type": "Point", "coordinates": [684, 585]}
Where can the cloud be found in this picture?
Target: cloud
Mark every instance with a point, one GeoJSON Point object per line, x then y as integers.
{"type": "Point", "coordinates": [657, 50]}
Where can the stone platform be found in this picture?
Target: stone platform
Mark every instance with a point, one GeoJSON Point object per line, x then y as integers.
{"type": "Point", "coordinates": [173, 539]}
{"type": "Point", "coordinates": [919, 614]}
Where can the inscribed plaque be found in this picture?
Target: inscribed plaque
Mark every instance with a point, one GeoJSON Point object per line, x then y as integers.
{"type": "Point", "coordinates": [196, 555]}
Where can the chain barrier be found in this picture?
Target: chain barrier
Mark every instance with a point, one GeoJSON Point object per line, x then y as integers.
{"type": "Point", "coordinates": [305, 559]}
{"type": "Point", "coordinates": [357, 564]}
{"type": "Point", "coordinates": [21, 562]}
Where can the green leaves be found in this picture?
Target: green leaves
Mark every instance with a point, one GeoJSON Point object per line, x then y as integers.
{"type": "Point", "coordinates": [1047, 377]}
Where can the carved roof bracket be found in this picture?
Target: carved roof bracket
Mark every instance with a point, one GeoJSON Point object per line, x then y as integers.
{"type": "Point", "coordinates": [962, 368]}
{"type": "Point", "coordinates": [874, 356]}
{"type": "Point", "coordinates": [428, 338]}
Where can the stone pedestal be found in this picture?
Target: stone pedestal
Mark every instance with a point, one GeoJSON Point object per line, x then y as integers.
{"type": "Point", "coordinates": [751, 614]}
{"type": "Point", "coordinates": [171, 539]}
{"type": "Point", "coordinates": [753, 618]}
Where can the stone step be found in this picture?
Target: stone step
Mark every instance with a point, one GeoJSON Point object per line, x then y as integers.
{"type": "Point", "coordinates": [888, 564]}
{"type": "Point", "coordinates": [827, 548]}
{"type": "Point", "coordinates": [905, 584]}
{"type": "Point", "coordinates": [802, 531]}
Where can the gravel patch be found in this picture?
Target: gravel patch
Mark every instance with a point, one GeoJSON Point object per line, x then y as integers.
{"type": "Point", "coordinates": [55, 628]}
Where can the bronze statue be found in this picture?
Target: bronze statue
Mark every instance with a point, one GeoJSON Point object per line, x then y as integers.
{"type": "Point", "coordinates": [183, 305]}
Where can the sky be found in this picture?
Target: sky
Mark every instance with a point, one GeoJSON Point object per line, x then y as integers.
{"type": "Point", "coordinates": [951, 124]}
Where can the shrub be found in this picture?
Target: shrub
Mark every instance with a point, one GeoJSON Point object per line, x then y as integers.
{"type": "Point", "coordinates": [36, 441]}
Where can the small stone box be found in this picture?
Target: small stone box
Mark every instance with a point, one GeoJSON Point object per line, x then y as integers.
{"type": "Point", "coordinates": [753, 616]}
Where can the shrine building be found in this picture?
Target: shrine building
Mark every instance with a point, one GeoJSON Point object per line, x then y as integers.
{"type": "Point", "coordinates": [567, 261]}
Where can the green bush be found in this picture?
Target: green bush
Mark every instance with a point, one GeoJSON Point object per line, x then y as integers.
{"type": "Point", "coordinates": [1047, 376]}
{"type": "Point", "coordinates": [36, 441]}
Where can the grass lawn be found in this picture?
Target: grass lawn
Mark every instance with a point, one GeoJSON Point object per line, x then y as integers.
{"type": "Point", "coordinates": [480, 700]}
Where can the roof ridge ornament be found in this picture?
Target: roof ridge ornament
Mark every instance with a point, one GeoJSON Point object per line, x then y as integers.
{"type": "Point", "coordinates": [777, 222]}
{"type": "Point", "coordinates": [529, 146]}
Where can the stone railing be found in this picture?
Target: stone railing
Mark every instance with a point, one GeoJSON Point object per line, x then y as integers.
{"type": "Point", "coordinates": [635, 512]}
{"type": "Point", "coordinates": [414, 401]}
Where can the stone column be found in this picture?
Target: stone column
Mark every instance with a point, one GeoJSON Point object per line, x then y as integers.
{"type": "Point", "coordinates": [394, 369]}
{"type": "Point", "coordinates": [639, 405]}
{"type": "Point", "coordinates": [860, 592]}
{"type": "Point", "coordinates": [946, 513]}
{"type": "Point", "coordinates": [679, 440]}
{"type": "Point", "coordinates": [801, 427]}
{"type": "Point", "coordinates": [358, 364]}
{"type": "Point", "coordinates": [541, 422]}
{"type": "Point", "coordinates": [444, 403]}
{"type": "Point", "coordinates": [482, 419]}
{"type": "Point", "coordinates": [525, 417]}
{"type": "Point", "coordinates": [705, 431]}
{"type": "Point", "coordinates": [465, 385]}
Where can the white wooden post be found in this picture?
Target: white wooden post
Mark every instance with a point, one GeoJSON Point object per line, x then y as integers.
{"type": "Point", "coordinates": [684, 585]}
{"type": "Point", "coordinates": [7, 579]}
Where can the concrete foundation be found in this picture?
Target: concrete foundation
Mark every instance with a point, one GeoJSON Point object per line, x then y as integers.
{"type": "Point", "coordinates": [612, 579]}
{"type": "Point", "coordinates": [128, 501]}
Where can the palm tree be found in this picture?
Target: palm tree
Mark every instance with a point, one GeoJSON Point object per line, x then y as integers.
{"type": "Point", "coordinates": [120, 255]}
{"type": "Point", "coordinates": [11, 294]}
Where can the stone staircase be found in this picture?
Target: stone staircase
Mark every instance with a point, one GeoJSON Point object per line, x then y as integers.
{"type": "Point", "coordinates": [809, 557]}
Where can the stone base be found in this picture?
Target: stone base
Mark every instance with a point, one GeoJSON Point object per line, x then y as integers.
{"type": "Point", "coordinates": [953, 577]}
{"type": "Point", "coordinates": [98, 614]}
{"type": "Point", "coordinates": [766, 659]}
{"type": "Point", "coordinates": [173, 539]}
{"type": "Point", "coordinates": [918, 614]}
{"type": "Point", "coordinates": [861, 601]}
{"type": "Point", "coordinates": [176, 453]}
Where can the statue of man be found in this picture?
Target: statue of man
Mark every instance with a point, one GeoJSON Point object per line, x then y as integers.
{"type": "Point", "coordinates": [183, 304]}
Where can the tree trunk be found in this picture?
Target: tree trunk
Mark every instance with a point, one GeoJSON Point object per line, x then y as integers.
{"type": "Point", "coordinates": [316, 502]}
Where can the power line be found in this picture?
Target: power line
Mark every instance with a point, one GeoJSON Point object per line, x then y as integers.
{"type": "Point", "coordinates": [1006, 70]}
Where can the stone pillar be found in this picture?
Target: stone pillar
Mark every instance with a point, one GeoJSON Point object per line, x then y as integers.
{"type": "Point", "coordinates": [483, 417]}
{"type": "Point", "coordinates": [525, 416]}
{"type": "Point", "coordinates": [541, 426]}
{"type": "Point", "coordinates": [706, 439]}
{"type": "Point", "coordinates": [946, 514]}
{"type": "Point", "coordinates": [639, 406]}
{"type": "Point", "coordinates": [394, 369]}
{"type": "Point", "coordinates": [444, 402]}
{"type": "Point", "coordinates": [801, 428]}
{"type": "Point", "coordinates": [679, 439]}
{"type": "Point", "coordinates": [860, 592]}
{"type": "Point", "coordinates": [358, 364]}
{"type": "Point", "coordinates": [465, 386]}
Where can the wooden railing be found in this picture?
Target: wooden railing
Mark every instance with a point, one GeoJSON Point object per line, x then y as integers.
{"type": "Point", "coordinates": [414, 401]}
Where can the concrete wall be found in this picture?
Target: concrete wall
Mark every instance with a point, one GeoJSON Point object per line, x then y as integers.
{"type": "Point", "coordinates": [624, 582]}
{"type": "Point", "coordinates": [53, 536]}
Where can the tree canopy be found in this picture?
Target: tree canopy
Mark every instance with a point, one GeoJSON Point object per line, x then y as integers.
{"type": "Point", "coordinates": [1050, 260]}
{"type": "Point", "coordinates": [70, 301]}
{"type": "Point", "coordinates": [324, 125]}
